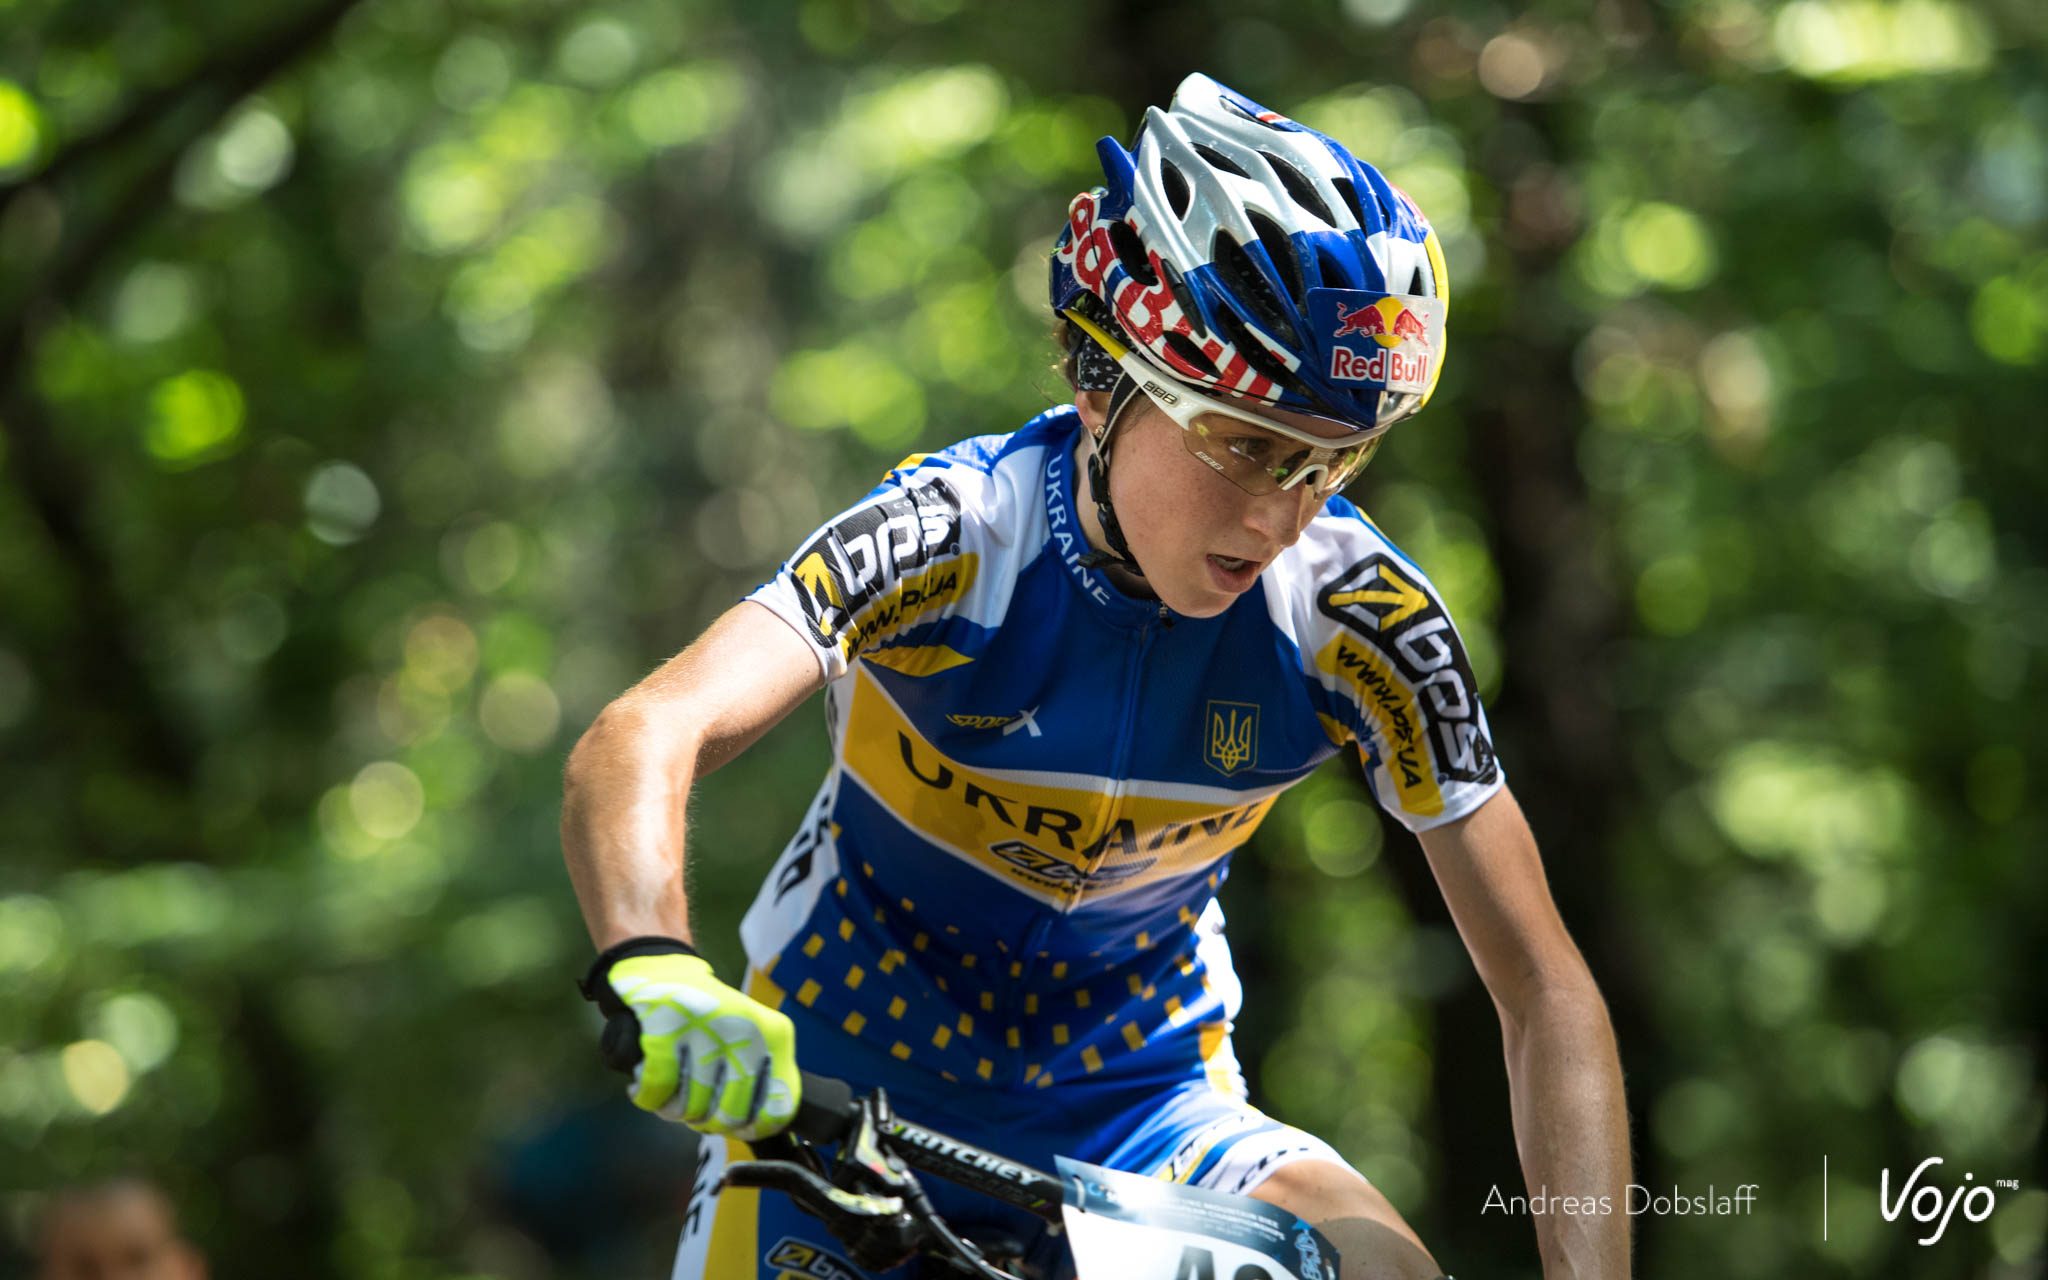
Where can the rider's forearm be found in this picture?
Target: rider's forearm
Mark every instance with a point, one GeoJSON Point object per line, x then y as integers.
{"type": "Point", "coordinates": [625, 793]}
{"type": "Point", "coordinates": [1571, 1126]}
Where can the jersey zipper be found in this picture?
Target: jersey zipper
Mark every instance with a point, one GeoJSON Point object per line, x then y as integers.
{"type": "Point", "coordinates": [1120, 763]}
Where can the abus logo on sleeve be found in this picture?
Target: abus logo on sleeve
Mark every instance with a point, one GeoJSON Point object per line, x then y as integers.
{"type": "Point", "coordinates": [856, 563]}
{"type": "Point", "coordinates": [1377, 599]}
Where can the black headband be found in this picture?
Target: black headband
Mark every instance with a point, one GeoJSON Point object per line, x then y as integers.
{"type": "Point", "coordinates": [1094, 368]}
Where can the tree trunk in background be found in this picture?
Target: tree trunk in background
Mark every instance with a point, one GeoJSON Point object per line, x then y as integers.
{"type": "Point", "coordinates": [296, 1221]}
{"type": "Point", "coordinates": [109, 681]}
{"type": "Point", "coordinates": [1561, 740]}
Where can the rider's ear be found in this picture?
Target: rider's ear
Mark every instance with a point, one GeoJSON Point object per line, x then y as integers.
{"type": "Point", "coordinates": [1094, 406]}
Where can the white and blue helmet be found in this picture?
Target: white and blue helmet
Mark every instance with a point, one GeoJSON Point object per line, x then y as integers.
{"type": "Point", "coordinates": [1254, 257]}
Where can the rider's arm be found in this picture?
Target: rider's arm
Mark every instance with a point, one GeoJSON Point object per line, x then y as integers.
{"type": "Point", "coordinates": [629, 778]}
{"type": "Point", "coordinates": [1564, 1074]}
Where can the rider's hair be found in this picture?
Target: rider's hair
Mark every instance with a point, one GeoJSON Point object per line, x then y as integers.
{"type": "Point", "coordinates": [1064, 334]}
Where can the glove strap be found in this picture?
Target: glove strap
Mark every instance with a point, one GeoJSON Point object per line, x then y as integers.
{"type": "Point", "coordinates": [596, 986]}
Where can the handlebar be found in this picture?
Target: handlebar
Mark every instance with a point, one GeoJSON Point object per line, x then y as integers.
{"type": "Point", "coordinates": [870, 1200]}
{"type": "Point", "coordinates": [824, 1111]}
{"type": "Point", "coordinates": [828, 1110]}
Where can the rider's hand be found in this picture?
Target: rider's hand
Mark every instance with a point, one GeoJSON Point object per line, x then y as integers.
{"type": "Point", "coordinates": [699, 1051]}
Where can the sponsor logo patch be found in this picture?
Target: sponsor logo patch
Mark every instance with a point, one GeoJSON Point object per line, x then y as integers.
{"type": "Point", "coordinates": [978, 722]}
{"type": "Point", "coordinates": [1058, 872]}
{"type": "Point", "coordinates": [1026, 720]}
{"type": "Point", "coordinates": [1383, 340]}
{"type": "Point", "coordinates": [801, 1261]}
{"type": "Point", "coordinates": [1417, 664]}
{"type": "Point", "coordinates": [876, 568]}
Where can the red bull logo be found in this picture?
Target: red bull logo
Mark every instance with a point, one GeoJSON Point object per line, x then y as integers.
{"type": "Point", "coordinates": [1402, 353]}
{"type": "Point", "coordinates": [1386, 322]}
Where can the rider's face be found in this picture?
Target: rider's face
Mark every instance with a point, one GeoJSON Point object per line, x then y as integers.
{"type": "Point", "coordinates": [1203, 541]}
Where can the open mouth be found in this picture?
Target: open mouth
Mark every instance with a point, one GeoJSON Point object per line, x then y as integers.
{"type": "Point", "coordinates": [1233, 574]}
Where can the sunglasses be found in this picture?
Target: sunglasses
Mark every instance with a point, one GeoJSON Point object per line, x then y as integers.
{"type": "Point", "coordinates": [1256, 454]}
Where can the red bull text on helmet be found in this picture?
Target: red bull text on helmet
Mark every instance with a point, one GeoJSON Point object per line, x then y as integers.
{"type": "Point", "coordinates": [1401, 349]}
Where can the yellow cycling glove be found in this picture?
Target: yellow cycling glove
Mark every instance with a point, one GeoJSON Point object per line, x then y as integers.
{"type": "Point", "coordinates": [699, 1051]}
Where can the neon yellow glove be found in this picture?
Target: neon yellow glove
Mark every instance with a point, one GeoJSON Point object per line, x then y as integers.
{"type": "Point", "coordinates": [699, 1051]}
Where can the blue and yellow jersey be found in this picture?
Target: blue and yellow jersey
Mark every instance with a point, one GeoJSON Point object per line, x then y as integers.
{"type": "Point", "coordinates": [1010, 872]}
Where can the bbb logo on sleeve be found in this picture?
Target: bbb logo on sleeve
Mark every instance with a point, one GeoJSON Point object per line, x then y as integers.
{"type": "Point", "coordinates": [1377, 599]}
{"type": "Point", "coordinates": [861, 573]}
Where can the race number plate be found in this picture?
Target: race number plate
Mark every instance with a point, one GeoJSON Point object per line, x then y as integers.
{"type": "Point", "coordinates": [1126, 1227]}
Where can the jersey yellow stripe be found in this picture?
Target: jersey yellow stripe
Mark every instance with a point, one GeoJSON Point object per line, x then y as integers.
{"type": "Point", "coordinates": [919, 659]}
{"type": "Point", "coordinates": [735, 1248]}
{"type": "Point", "coordinates": [1057, 844]}
{"type": "Point", "coordinates": [1390, 703]}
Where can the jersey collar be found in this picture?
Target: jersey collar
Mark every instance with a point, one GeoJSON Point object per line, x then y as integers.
{"type": "Point", "coordinates": [1069, 543]}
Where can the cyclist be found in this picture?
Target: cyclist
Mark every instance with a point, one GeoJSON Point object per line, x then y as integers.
{"type": "Point", "coordinates": [1068, 670]}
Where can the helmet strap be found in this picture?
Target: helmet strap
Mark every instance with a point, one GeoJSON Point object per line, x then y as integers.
{"type": "Point", "coordinates": [1119, 553]}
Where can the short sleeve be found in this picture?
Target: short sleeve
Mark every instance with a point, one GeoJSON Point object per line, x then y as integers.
{"type": "Point", "coordinates": [893, 561]}
{"type": "Point", "coordinates": [1403, 687]}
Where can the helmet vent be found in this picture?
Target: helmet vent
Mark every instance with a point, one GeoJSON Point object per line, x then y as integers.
{"type": "Point", "coordinates": [1244, 281]}
{"type": "Point", "coordinates": [1254, 351]}
{"type": "Point", "coordinates": [1189, 352]}
{"type": "Point", "coordinates": [1130, 251]}
{"type": "Point", "coordinates": [1299, 187]}
{"type": "Point", "coordinates": [1418, 286]}
{"type": "Point", "coordinates": [1334, 273]}
{"type": "Point", "coordinates": [1186, 299]}
{"type": "Point", "coordinates": [1177, 194]}
{"type": "Point", "coordinates": [1220, 161]}
{"type": "Point", "coordinates": [1281, 251]}
{"type": "Point", "coordinates": [1350, 197]}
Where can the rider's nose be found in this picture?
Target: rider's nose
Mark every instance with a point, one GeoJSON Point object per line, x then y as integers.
{"type": "Point", "coordinates": [1279, 517]}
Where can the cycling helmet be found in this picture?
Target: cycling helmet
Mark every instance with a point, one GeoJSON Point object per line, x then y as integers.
{"type": "Point", "coordinates": [1254, 257]}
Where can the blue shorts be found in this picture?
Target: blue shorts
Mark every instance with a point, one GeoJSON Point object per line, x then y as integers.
{"type": "Point", "coordinates": [1185, 1130]}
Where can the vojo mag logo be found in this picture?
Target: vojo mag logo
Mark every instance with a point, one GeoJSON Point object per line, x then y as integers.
{"type": "Point", "coordinates": [861, 557]}
{"type": "Point", "coordinates": [1231, 737]}
{"type": "Point", "coordinates": [1932, 1206]}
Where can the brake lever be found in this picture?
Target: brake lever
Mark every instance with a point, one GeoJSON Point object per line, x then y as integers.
{"type": "Point", "coordinates": [875, 1229]}
{"type": "Point", "coordinates": [785, 1149]}
{"type": "Point", "coordinates": [872, 1203]}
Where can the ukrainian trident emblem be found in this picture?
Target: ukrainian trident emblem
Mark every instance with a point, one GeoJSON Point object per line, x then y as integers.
{"type": "Point", "coordinates": [1233, 737]}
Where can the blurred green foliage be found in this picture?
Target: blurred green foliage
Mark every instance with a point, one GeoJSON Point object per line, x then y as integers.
{"type": "Point", "coordinates": [383, 397]}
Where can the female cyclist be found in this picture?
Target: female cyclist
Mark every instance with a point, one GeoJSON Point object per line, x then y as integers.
{"type": "Point", "coordinates": [1067, 672]}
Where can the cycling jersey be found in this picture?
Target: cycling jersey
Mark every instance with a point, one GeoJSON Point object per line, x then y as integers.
{"type": "Point", "coordinates": [1009, 875]}
{"type": "Point", "coordinates": [1007, 883]}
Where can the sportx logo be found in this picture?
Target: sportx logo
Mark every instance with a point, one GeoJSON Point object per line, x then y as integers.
{"type": "Point", "coordinates": [1378, 600]}
{"type": "Point", "coordinates": [1025, 720]}
{"type": "Point", "coordinates": [851, 569]}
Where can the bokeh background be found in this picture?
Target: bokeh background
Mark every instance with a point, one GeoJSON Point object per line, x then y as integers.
{"type": "Point", "coordinates": [388, 383]}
